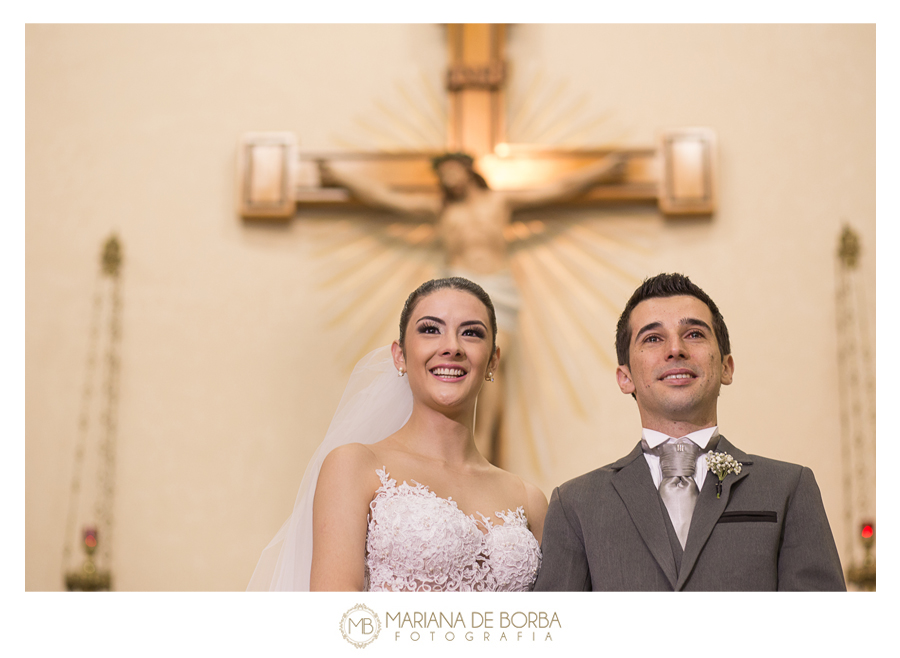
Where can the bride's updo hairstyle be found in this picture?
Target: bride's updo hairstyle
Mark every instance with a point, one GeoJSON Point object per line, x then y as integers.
{"type": "Point", "coordinates": [452, 283]}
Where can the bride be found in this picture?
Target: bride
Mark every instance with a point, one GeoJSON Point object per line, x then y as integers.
{"type": "Point", "coordinates": [398, 498]}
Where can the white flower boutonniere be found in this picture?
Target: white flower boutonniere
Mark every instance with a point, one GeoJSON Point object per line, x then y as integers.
{"type": "Point", "coordinates": [721, 463]}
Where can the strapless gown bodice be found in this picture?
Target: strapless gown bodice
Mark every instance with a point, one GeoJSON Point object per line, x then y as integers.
{"type": "Point", "coordinates": [419, 542]}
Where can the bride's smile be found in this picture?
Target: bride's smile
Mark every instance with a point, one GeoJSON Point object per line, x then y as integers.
{"type": "Point", "coordinates": [398, 496]}
{"type": "Point", "coordinates": [448, 373]}
{"type": "Point", "coordinates": [448, 349]}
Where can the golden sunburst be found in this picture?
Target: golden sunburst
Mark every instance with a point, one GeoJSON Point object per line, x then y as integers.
{"type": "Point", "coordinates": [574, 268]}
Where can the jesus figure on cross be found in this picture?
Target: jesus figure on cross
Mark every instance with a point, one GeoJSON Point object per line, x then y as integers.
{"type": "Point", "coordinates": [470, 219]}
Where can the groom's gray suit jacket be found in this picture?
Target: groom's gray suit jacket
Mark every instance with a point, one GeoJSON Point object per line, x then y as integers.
{"type": "Point", "coordinates": [608, 530]}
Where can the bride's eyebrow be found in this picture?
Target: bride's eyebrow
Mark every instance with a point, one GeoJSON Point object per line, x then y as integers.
{"type": "Point", "coordinates": [441, 322]}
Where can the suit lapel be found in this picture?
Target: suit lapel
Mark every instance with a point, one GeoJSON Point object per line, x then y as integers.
{"type": "Point", "coordinates": [709, 509]}
{"type": "Point", "coordinates": [634, 484]}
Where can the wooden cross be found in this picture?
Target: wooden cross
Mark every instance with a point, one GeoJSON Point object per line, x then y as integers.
{"type": "Point", "coordinates": [678, 174]}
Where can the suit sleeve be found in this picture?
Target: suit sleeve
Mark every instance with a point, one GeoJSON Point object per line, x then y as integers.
{"type": "Point", "coordinates": [808, 559]}
{"type": "Point", "coordinates": [564, 566]}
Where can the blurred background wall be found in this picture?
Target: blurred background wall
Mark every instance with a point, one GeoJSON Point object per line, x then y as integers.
{"type": "Point", "coordinates": [234, 352]}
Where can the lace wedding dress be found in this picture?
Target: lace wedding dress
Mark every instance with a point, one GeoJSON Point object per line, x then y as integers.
{"type": "Point", "coordinates": [418, 541]}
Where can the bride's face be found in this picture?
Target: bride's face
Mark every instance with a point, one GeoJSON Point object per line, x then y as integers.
{"type": "Point", "coordinates": [448, 348]}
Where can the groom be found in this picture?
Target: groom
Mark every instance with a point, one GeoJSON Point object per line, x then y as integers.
{"type": "Point", "coordinates": [658, 519]}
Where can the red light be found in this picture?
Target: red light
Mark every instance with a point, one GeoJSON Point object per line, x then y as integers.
{"type": "Point", "coordinates": [90, 537]}
{"type": "Point", "coordinates": [867, 531]}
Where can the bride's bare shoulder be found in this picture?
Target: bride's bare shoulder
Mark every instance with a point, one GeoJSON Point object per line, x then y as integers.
{"type": "Point", "coordinates": [537, 501]}
{"type": "Point", "coordinates": [353, 462]}
{"type": "Point", "coordinates": [533, 500]}
{"type": "Point", "coordinates": [351, 453]}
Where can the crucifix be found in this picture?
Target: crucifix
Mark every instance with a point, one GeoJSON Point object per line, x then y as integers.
{"type": "Point", "coordinates": [678, 175]}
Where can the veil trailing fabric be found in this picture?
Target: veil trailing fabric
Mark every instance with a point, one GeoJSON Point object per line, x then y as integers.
{"type": "Point", "coordinates": [375, 404]}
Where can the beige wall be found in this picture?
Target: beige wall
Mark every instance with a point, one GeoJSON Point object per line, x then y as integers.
{"type": "Point", "coordinates": [232, 360]}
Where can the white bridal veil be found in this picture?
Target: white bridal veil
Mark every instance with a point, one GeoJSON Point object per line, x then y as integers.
{"type": "Point", "coordinates": [375, 404]}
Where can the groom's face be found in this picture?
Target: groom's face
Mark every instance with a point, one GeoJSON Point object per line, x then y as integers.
{"type": "Point", "coordinates": [675, 370]}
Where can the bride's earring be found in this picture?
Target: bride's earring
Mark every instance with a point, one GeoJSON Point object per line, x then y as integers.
{"type": "Point", "coordinates": [401, 372]}
{"type": "Point", "coordinates": [490, 376]}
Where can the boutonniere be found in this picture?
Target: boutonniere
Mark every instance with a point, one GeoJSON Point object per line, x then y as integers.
{"type": "Point", "coordinates": [721, 463]}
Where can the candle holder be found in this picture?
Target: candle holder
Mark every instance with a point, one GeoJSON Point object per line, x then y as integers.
{"type": "Point", "coordinates": [863, 576]}
{"type": "Point", "coordinates": [89, 578]}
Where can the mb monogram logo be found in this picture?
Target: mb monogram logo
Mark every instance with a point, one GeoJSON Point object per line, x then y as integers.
{"type": "Point", "coordinates": [360, 626]}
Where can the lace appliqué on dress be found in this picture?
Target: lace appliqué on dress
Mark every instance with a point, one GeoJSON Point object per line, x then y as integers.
{"type": "Point", "coordinates": [420, 542]}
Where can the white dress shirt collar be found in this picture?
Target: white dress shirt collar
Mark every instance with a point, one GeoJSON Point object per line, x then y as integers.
{"type": "Point", "coordinates": [701, 437]}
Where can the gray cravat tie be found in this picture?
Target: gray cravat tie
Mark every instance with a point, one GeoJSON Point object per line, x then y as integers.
{"type": "Point", "coordinates": [679, 492]}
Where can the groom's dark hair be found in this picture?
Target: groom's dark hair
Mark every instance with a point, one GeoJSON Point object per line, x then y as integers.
{"type": "Point", "coordinates": [668, 285]}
